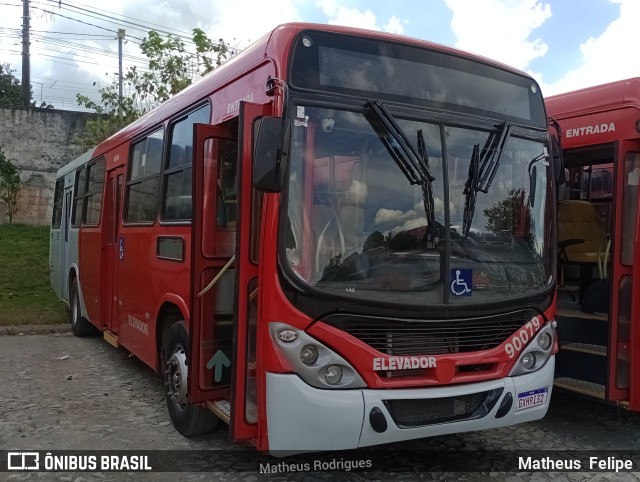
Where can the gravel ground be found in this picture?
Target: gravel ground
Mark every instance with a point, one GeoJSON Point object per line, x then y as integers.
{"type": "Point", "coordinates": [59, 392]}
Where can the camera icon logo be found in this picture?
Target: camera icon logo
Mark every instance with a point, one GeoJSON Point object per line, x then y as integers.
{"type": "Point", "coordinates": [23, 461]}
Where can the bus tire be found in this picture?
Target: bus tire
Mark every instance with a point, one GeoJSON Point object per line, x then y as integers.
{"type": "Point", "coordinates": [188, 419]}
{"type": "Point", "coordinates": [79, 324]}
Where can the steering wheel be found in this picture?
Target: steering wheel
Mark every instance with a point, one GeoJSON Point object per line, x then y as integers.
{"type": "Point", "coordinates": [334, 218]}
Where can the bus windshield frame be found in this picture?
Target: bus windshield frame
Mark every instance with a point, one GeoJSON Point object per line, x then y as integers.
{"type": "Point", "coordinates": [412, 75]}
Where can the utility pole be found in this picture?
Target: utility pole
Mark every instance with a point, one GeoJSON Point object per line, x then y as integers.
{"type": "Point", "coordinates": [26, 73]}
{"type": "Point", "coordinates": [120, 37]}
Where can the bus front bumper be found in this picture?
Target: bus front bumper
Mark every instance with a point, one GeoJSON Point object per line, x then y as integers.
{"type": "Point", "coordinates": [302, 418]}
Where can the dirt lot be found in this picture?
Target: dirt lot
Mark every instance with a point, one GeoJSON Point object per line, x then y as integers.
{"type": "Point", "coordinates": [60, 392]}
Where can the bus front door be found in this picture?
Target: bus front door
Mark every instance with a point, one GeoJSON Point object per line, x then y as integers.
{"type": "Point", "coordinates": [224, 287]}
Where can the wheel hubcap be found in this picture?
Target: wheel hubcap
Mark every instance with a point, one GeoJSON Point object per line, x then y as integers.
{"type": "Point", "coordinates": [176, 378]}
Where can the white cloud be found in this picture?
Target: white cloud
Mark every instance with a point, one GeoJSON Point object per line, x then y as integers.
{"type": "Point", "coordinates": [387, 215]}
{"type": "Point", "coordinates": [606, 58]}
{"type": "Point", "coordinates": [500, 29]}
{"type": "Point", "coordinates": [394, 25]}
{"type": "Point", "coordinates": [238, 22]}
{"type": "Point", "coordinates": [352, 17]}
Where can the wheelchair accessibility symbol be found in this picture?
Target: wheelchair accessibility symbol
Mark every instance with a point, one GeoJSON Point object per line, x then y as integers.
{"type": "Point", "coordinates": [461, 284]}
{"type": "Point", "coordinates": [121, 249]}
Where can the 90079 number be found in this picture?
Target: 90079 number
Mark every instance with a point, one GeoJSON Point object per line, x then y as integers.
{"type": "Point", "coordinates": [521, 338]}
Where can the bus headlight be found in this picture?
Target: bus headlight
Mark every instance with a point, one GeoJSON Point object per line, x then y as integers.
{"type": "Point", "coordinates": [315, 363]}
{"type": "Point", "coordinates": [537, 353]}
{"type": "Point", "coordinates": [528, 360]}
{"type": "Point", "coordinates": [333, 374]}
{"type": "Point", "coordinates": [309, 354]}
{"type": "Point", "coordinates": [545, 341]}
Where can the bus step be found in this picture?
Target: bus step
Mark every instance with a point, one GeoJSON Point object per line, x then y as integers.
{"type": "Point", "coordinates": [110, 338]}
{"type": "Point", "coordinates": [222, 408]}
{"type": "Point", "coordinates": [567, 287]}
{"type": "Point", "coordinates": [585, 348]}
{"type": "Point", "coordinates": [568, 313]}
{"type": "Point", "coordinates": [580, 386]}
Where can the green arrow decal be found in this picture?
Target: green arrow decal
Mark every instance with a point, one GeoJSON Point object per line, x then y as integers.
{"type": "Point", "coordinates": [218, 361]}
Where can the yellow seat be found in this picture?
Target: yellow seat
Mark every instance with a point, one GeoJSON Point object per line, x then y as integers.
{"type": "Point", "coordinates": [581, 234]}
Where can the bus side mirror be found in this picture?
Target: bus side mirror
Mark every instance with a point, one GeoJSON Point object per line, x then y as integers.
{"type": "Point", "coordinates": [533, 183]}
{"type": "Point", "coordinates": [271, 153]}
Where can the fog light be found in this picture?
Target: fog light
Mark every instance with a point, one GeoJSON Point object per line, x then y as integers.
{"type": "Point", "coordinates": [528, 360]}
{"type": "Point", "coordinates": [544, 341]}
{"type": "Point", "coordinates": [309, 354]}
{"type": "Point", "coordinates": [333, 374]}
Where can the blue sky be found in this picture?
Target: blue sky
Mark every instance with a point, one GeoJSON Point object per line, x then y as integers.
{"type": "Point", "coordinates": [564, 44]}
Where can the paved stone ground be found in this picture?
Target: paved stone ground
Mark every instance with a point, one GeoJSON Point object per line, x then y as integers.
{"type": "Point", "coordinates": [61, 392]}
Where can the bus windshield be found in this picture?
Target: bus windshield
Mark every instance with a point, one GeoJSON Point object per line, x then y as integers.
{"type": "Point", "coordinates": [357, 223]}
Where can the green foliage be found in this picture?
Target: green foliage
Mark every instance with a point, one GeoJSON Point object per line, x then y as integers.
{"type": "Point", "coordinates": [11, 90]}
{"type": "Point", "coordinates": [211, 53]}
{"type": "Point", "coordinates": [10, 87]}
{"type": "Point", "coordinates": [10, 185]}
{"type": "Point", "coordinates": [171, 69]}
{"type": "Point", "coordinates": [114, 115]}
{"type": "Point", "coordinates": [26, 297]}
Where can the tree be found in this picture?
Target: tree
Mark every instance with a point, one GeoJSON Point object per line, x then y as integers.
{"type": "Point", "coordinates": [506, 215]}
{"type": "Point", "coordinates": [10, 185]}
{"type": "Point", "coordinates": [11, 90]}
{"type": "Point", "coordinates": [171, 69]}
{"type": "Point", "coordinates": [10, 87]}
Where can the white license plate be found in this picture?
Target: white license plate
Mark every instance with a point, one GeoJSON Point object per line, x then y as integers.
{"type": "Point", "coordinates": [532, 398]}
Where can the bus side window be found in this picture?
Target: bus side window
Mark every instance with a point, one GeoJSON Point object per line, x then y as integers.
{"type": "Point", "coordinates": [228, 182]}
{"type": "Point", "coordinates": [78, 197]}
{"type": "Point", "coordinates": [144, 179]}
{"type": "Point", "coordinates": [56, 218]}
{"type": "Point", "coordinates": [177, 200]}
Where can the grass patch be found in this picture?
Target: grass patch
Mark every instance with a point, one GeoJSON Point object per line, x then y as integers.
{"type": "Point", "coordinates": [26, 296]}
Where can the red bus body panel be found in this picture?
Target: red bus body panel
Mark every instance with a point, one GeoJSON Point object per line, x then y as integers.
{"type": "Point", "coordinates": [610, 114]}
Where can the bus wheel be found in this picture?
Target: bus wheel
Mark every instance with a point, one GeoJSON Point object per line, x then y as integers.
{"type": "Point", "coordinates": [188, 419]}
{"type": "Point", "coordinates": [79, 324]}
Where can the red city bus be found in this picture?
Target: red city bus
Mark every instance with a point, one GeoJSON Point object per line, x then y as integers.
{"type": "Point", "coordinates": [339, 238]}
{"type": "Point", "coordinates": [597, 234]}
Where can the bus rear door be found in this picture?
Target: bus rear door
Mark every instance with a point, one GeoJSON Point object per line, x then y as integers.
{"type": "Point", "coordinates": [64, 243]}
{"type": "Point", "coordinates": [115, 186]}
{"type": "Point", "coordinates": [624, 359]}
{"type": "Point", "coordinates": [224, 288]}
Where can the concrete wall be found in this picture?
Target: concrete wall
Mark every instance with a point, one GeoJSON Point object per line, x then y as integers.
{"type": "Point", "coordinates": [38, 142]}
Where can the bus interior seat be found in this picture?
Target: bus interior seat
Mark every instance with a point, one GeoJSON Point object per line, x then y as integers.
{"type": "Point", "coordinates": [581, 236]}
{"type": "Point", "coordinates": [578, 220]}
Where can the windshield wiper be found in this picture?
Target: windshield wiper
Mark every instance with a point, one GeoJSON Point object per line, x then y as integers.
{"type": "Point", "coordinates": [482, 170]}
{"type": "Point", "coordinates": [413, 164]}
{"type": "Point", "coordinates": [470, 192]}
{"type": "Point", "coordinates": [490, 158]}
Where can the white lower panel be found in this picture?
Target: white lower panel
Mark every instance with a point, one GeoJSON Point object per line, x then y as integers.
{"type": "Point", "coordinates": [302, 418]}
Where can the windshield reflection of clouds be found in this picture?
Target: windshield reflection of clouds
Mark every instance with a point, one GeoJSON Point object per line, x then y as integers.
{"type": "Point", "coordinates": [357, 226]}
